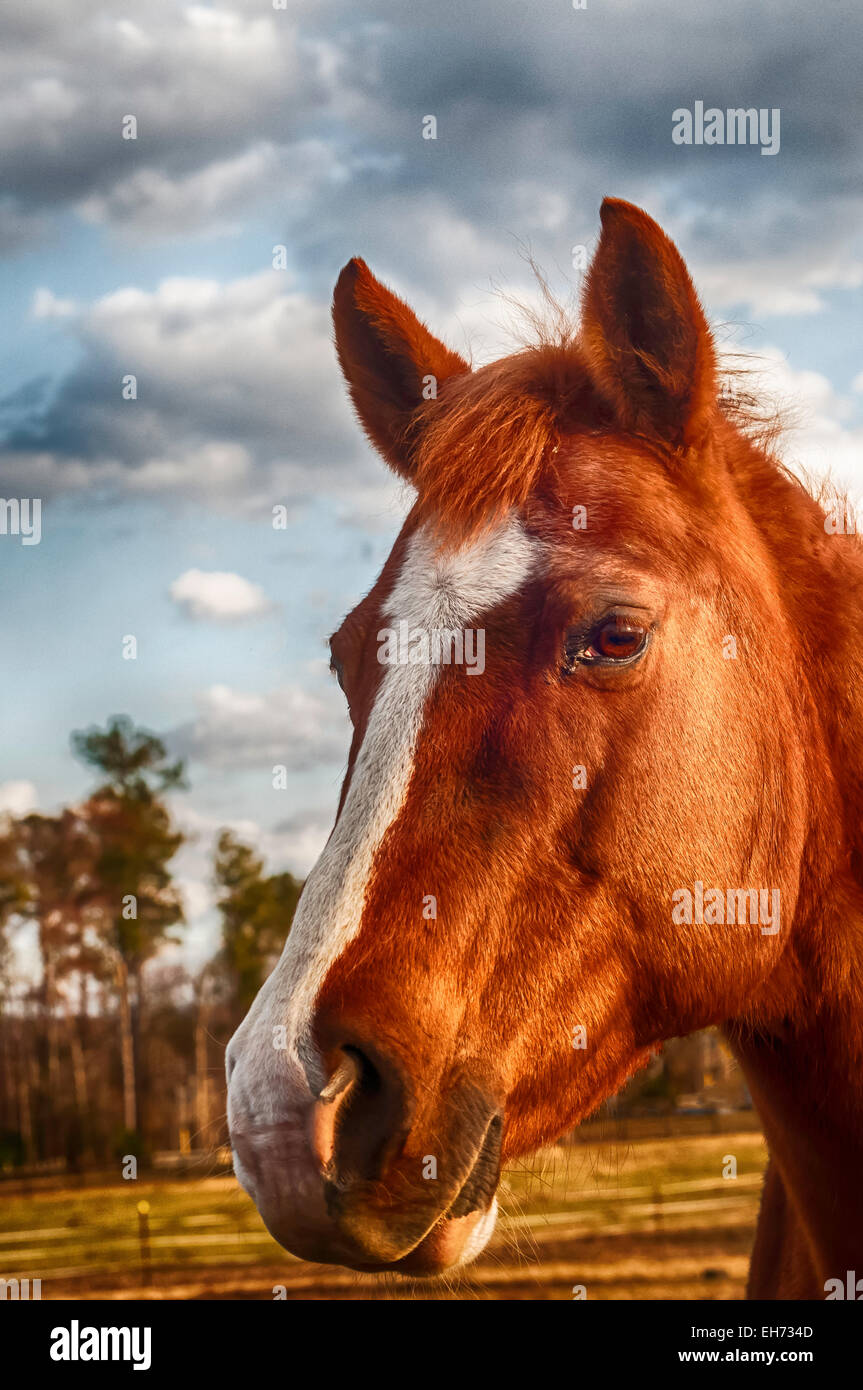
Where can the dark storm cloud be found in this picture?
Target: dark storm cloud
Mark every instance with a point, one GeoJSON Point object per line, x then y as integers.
{"type": "Point", "coordinates": [578, 98]}
{"type": "Point", "coordinates": [197, 80]}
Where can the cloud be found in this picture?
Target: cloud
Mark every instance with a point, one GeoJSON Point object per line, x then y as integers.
{"type": "Point", "coordinates": [18, 798]}
{"type": "Point", "coordinates": [821, 438]}
{"type": "Point", "coordinates": [67, 81]}
{"type": "Point", "coordinates": [293, 845]}
{"type": "Point", "coordinates": [298, 840]}
{"type": "Point", "coordinates": [290, 726]}
{"type": "Point", "coordinates": [46, 305]}
{"type": "Point", "coordinates": [19, 229]}
{"type": "Point", "coordinates": [311, 117]}
{"type": "Point", "coordinates": [769, 276]}
{"type": "Point", "coordinates": [303, 127]}
{"type": "Point", "coordinates": [219, 595]}
{"type": "Point", "coordinates": [239, 398]}
{"type": "Point", "coordinates": [150, 203]}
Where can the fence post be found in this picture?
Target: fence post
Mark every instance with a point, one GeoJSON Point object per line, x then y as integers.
{"type": "Point", "coordinates": [144, 1240]}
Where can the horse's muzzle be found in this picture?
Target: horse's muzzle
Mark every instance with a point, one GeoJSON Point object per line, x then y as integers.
{"type": "Point", "coordinates": [352, 1175]}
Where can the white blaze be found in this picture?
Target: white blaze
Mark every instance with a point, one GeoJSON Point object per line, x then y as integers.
{"type": "Point", "coordinates": [433, 591]}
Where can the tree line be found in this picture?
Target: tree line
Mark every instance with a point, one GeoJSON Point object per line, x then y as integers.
{"type": "Point", "coordinates": [106, 1047]}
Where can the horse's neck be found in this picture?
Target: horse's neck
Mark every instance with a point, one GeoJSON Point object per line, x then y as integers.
{"type": "Point", "coordinates": [804, 1061]}
{"type": "Point", "coordinates": [807, 1084]}
{"type": "Point", "coordinates": [822, 575]}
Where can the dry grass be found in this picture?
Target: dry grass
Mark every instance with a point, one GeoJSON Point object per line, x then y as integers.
{"type": "Point", "coordinates": [650, 1218]}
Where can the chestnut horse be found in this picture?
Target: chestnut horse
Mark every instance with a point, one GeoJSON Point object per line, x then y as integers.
{"type": "Point", "coordinates": [496, 935]}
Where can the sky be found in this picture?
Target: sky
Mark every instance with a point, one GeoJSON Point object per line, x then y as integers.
{"type": "Point", "coordinates": [301, 128]}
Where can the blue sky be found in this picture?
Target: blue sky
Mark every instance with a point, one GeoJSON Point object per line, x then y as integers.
{"type": "Point", "coordinates": [302, 127]}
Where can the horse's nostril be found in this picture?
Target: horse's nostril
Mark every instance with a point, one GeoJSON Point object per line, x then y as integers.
{"type": "Point", "coordinates": [367, 1074]}
{"type": "Point", "coordinates": [348, 1071]}
{"type": "Point", "coordinates": [359, 1117]}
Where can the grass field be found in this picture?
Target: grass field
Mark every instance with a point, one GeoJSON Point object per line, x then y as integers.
{"type": "Point", "coordinates": [649, 1218]}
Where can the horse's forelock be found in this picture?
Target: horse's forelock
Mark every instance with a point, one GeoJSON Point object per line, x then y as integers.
{"type": "Point", "coordinates": [485, 443]}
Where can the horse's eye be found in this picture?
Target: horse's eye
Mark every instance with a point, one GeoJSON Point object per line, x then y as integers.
{"type": "Point", "coordinates": [615, 640]}
{"type": "Point", "coordinates": [338, 671]}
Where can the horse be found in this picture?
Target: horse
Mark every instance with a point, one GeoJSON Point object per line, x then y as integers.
{"type": "Point", "coordinates": [496, 934]}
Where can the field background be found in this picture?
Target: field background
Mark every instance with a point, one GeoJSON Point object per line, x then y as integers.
{"type": "Point", "coordinates": [634, 1209]}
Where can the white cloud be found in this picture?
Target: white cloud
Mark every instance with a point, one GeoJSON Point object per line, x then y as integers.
{"type": "Point", "coordinates": [240, 400]}
{"type": "Point", "coordinates": [219, 595]}
{"type": "Point", "coordinates": [298, 841]}
{"type": "Point", "coordinates": [18, 798]}
{"type": "Point", "coordinates": [293, 845]}
{"type": "Point", "coordinates": [789, 283]}
{"type": "Point", "coordinates": [46, 305]}
{"type": "Point", "coordinates": [288, 726]}
{"type": "Point", "coordinates": [151, 203]}
{"type": "Point", "coordinates": [821, 439]}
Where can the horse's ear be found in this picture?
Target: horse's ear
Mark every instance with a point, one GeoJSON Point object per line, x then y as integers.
{"type": "Point", "coordinates": [647, 340]}
{"type": "Point", "coordinates": [390, 361]}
